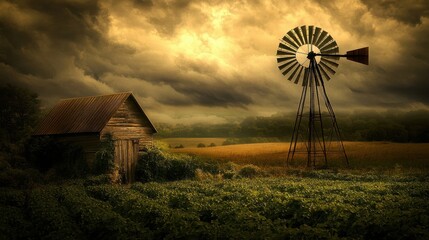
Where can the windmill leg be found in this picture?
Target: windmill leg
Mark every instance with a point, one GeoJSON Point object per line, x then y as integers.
{"type": "Point", "coordinates": [293, 142]}
{"type": "Point", "coordinates": [322, 143]}
{"type": "Point", "coordinates": [310, 151]}
{"type": "Point", "coordinates": [332, 114]}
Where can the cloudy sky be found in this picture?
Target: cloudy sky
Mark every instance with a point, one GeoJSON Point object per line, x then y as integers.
{"type": "Point", "coordinates": [211, 61]}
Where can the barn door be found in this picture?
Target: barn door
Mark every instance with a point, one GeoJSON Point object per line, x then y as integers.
{"type": "Point", "coordinates": [126, 154]}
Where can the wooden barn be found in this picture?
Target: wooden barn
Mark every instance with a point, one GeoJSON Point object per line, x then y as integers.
{"type": "Point", "coordinates": [86, 120]}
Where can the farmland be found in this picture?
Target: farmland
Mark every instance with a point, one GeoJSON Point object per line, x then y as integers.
{"type": "Point", "coordinates": [382, 196]}
{"type": "Point", "coordinates": [362, 155]}
{"type": "Point", "coordinates": [348, 207]}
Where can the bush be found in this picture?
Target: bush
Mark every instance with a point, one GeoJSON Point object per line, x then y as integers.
{"type": "Point", "coordinates": [212, 145]}
{"type": "Point", "coordinates": [19, 178]}
{"type": "Point", "coordinates": [201, 145]}
{"type": "Point", "coordinates": [46, 153]}
{"type": "Point", "coordinates": [179, 146]}
{"type": "Point", "coordinates": [249, 171]}
{"type": "Point", "coordinates": [105, 157]}
{"type": "Point", "coordinates": [156, 165]}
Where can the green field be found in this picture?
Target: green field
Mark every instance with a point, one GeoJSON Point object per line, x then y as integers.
{"type": "Point", "coordinates": [382, 196]}
{"type": "Point", "coordinates": [347, 207]}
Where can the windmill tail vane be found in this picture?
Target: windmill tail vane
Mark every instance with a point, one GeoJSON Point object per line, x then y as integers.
{"type": "Point", "coordinates": [309, 55]}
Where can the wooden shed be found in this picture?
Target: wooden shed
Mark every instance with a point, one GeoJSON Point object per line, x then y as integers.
{"type": "Point", "coordinates": [86, 120]}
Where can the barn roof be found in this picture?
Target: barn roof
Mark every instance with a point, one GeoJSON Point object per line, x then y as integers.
{"type": "Point", "coordinates": [84, 114]}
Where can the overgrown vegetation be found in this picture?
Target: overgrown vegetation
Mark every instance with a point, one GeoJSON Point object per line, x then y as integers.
{"type": "Point", "coordinates": [346, 207]}
{"type": "Point", "coordinates": [105, 156]}
{"type": "Point", "coordinates": [65, 160]}
{"type": "Point", "coordinates": [158, 165]}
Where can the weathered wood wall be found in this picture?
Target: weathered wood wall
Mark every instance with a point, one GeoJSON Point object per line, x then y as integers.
{"type": "Point", "coordinates": [130, 123]}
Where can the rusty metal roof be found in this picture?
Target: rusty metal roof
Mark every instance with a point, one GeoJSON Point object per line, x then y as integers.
{"type": "Point", "coordinates": [83, 115]}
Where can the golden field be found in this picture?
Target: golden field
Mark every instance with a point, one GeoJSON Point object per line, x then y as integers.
{"type": "Point", "coordinates": [361, 155]}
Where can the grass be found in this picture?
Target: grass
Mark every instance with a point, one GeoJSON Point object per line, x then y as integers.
{"type": "Point", "coordinates": [362, 155]}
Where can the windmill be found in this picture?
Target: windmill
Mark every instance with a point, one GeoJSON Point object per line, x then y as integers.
{"type": "Point", "coordinates": [308, 55]}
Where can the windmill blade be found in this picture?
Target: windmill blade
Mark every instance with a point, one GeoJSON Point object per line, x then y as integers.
{"type": "Point", "coordinates": [324, 73]}
{"type": "Point", "coordinates": [281, 67]}
{"type": "Point", "coordinates": [327, 61]}
{"type": "Point", "coordinates": [333, 44]}
{"type": "Point", "coordinates": [305, 79]}
{"type": "Point", "coordinates": [299, 75]}
{"type": "Point", "coordinates": [304, 33]}
{"type": "Point", "coordinates": [310, 34]}
{"type": "Point", "coordinates": [291, 77]}
{"type": "Point", "coordinates": [316, 35]}
{"type": "Point", "coordinates": [327, 40]}
{"type": "Point", "coordinates": [290, 41]}
{"type": "Point", "coordinates": [282, 59]}
{"type": "Point", "coordinates": [284, 46]}
{"type": "Point", "coordinates": [298, 33]}
{"type": "Point", "coordinates": [322, 36]}
{"type": "Point", "coordinates": [360, 55]}
{"type": "Point", "coordinates": [286, 71]}
{"type": "Point", "coordinates": [326, 67]}
{"type": "Point", "coordinates": [281, 52]}
{"type": "Point", "coordinates": [291, 37]}
{"type": "Point", "coordinates": [331, 51]}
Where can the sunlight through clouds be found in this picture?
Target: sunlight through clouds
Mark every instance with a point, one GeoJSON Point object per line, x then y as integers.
{"type": "Point", "coordinates": [213, 58]}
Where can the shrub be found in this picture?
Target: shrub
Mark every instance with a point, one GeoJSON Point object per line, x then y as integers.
{"type": "Point", "coordinates": [201, 145]}
{"type": "Point", "coordinates": [179, 146]}
{"type": "Point", "coordinates": [229, 174]}
{"type": "Point", "coordinates": [46, 153]}
{"type": "Point", "coordinates": [212, 145]}
{"type": "Point", "coordinates": [19, 178]}
{"type": "Point", "coordinates": [249, 171]}
{"type": "Point", "coordinates": [97, 180]}
{"type": "Point", "coordinates": [156, 165]}
{"type": "Point", "coordinates": [105, 156]}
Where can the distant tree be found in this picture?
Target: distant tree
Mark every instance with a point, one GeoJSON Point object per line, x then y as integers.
{"type": "Point", "coordinates": [19, 111]}
{"type": "Point", "coordinates": [212, 145]}
{"type": "Point", "coordinates": [201, 145]}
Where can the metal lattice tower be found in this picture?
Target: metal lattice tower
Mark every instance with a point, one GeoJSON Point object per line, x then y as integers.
{"type": "Point", "coordinates": [309, 55]}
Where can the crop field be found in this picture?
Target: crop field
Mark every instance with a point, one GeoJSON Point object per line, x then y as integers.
{"type": "Point", "coordinates": [190, 142]}
{"type": "Point", "coordinates": [362, 155]}
{"type": "Point", "coordinates": [348, 207]}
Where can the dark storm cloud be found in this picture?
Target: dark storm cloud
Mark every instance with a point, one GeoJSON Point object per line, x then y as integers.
{"type": "Point", "coordinates": [70, 34]}
{"type": "Point", "coordinates": [218, 54]}
{"type": "Point", "coordinates": [409, 12]}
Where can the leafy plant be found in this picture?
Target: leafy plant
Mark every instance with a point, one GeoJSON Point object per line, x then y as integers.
{"type": "Point", "coordinates": [105, 156]}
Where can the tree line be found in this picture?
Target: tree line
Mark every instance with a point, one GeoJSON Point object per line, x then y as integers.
{"type": "Point", "coordinates": [394, 126]}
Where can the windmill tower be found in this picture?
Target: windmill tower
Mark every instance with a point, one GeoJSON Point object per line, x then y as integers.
{"type": "Point", "coordinates": [308, 55]}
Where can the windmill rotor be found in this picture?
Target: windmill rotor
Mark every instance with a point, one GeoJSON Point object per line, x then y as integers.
{"type": "Point", "coordinates": [308, 55]}
{"type": "Point", "coordinates": [295, 46]}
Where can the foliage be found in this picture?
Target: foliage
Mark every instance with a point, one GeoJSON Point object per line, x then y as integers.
{"type": "Point", "coordinates": [105, 156]}
{"type": "Point", "coordinates": [357, 126]}
{"type": "Point", "coordinates": [67, 159]}
{"type": "Point", "coordinates": [157, 165]}
{"type": "Point", "coordinates": [201, 145]}
{"type": "Point", "coordinates": [249, 171]}
{"type": "Point", "coordinates": [324, 206]}
{"type": "Point", "coordinates": [20, 178]}
{"type": "Point", "coordinates": [19, 111]}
